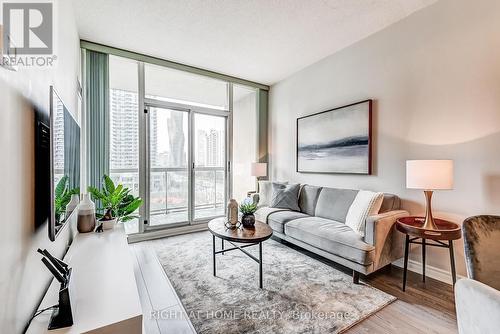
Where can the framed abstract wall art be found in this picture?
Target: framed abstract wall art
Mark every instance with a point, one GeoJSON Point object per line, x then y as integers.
{"type": "Point", "coordinates": [336, 140]}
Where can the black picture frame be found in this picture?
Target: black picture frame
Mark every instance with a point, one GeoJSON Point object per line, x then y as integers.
{"type": "Point", "coordinates": [369, 143]}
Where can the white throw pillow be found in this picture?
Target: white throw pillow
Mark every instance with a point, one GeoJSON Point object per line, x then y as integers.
{"type": "Point", "coordinates": [366, 203]}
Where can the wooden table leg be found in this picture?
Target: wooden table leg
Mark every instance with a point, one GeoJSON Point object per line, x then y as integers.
{"type": "Point", "coordinates": [423, 260]}
{"type": "Point", "coordinates": [405, 269]}
{"type": "Point", "coordinates": [213, 249]}
{"type": "Point", "coordinates": [260, 265]}
{"type": "Point", "coordinates": [452, 262]}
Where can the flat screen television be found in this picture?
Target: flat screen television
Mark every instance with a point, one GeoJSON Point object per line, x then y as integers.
{"type": "Point", "coordinates": [57, 164]}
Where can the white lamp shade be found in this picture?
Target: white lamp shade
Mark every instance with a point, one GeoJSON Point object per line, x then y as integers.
{"type": "Point", "coordinates": [429, 174]}
{"type": "Point", "coordinates": [259, 169]}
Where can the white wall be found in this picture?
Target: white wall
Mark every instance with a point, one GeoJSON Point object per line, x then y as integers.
{"type": "Point", "coordinates": [23, 278]}
{"type": "Point", "coordinates": [435, 80]}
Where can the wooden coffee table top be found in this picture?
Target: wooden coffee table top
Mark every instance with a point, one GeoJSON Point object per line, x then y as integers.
{"type": "Point", "coordinates": [258, 233]}
{"type": "Point", "coordinates": [413, 226]}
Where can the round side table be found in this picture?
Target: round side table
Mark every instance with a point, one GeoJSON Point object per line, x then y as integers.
{"type": "Point", "coordinates": [443, 236]}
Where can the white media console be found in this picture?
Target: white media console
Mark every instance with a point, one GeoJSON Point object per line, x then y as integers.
{"type": "Point", "coordinates": [103, 290]}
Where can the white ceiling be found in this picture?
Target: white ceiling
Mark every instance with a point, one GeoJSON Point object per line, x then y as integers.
{"type": "Point", "coordinates": [258, 40]}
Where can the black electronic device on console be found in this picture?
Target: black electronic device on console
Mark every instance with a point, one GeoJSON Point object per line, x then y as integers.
{"type": "Point", "coordinates": [62, 315]}
{"type": "Point", "coordinates": [60, 265]}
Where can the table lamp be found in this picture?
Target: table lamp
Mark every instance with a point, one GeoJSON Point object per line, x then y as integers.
{"type": "Point", "coordinates": [429, 175]}
{"type": "Point", "coordinates": [258, 169]}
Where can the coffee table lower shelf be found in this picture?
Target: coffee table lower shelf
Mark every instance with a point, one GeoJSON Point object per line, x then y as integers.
{"type": "Point", "coordinates": [249, 237]}
{"type": "Point", "coordinates": [241, 248]}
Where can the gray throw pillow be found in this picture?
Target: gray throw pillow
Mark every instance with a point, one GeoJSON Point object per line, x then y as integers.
{"type": "Point", "coordinates": [285, 196]}
{"type": "Point", "coordinates": [266, 192]}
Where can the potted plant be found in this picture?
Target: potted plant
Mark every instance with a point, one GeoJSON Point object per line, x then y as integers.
{"type": "Point", "coordinates": [118, 205]}
{"type": "Point", "coordinates": [248, 208]}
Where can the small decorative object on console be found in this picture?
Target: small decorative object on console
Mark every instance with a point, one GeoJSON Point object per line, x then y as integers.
{"type": "Point", "coordinates": [248, 208]}
{"type": "Point", "coordinates": [232, 213]}
{"type": "Point", "coordinates": [86, 215]}
{"type": "Point", "coordinates": [99, 229]}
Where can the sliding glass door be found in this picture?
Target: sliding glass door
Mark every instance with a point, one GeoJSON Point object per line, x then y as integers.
{"type": "Point", "coordinates": [186, 175]}
{"type": "Point", "coordinates": [167, 169]}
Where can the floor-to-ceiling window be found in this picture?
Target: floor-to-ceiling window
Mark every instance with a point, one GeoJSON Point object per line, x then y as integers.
{"type": "Point", "coordinates": [186, 138]}
{"type": "Point", "coordinates": [124, 126]}
{"type": "Point", "coordinates": [183, 141]}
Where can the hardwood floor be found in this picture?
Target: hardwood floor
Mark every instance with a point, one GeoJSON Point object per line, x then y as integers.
{"type": "Point", "coordinates": [424, 307]}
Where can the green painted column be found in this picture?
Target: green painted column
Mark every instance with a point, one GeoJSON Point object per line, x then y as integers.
{"type": "Point", "coordinates": [97, 116]}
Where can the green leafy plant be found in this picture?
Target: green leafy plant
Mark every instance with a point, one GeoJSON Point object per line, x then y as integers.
{"type": "Point", "coordinates": [248, 207]}
{"type": "Point", "coordinates": [117, 202]}
{"type": "Point", "coordinates": [63, 194]}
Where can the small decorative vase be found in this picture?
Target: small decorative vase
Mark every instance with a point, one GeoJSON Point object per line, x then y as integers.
{"type": "Point", "coordinates": [248, 220]}
{"type": "Point", "coordinates": [108, 224]}
{"type": "Point", "coordinates": [232, 212]}
{"type": "Point", "coordinates": [86, 215]}
{"type": "Point", "coordinates": [73, 203]}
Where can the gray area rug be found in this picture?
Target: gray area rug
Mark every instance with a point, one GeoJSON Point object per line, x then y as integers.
{"type": "Point", "coordinates": [300, 295]}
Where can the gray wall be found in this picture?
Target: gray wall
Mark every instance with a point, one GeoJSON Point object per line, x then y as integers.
{"type": "Point", "coordinates": [435, 79]}
{"type": "Point", "coordinates": [23, 279]}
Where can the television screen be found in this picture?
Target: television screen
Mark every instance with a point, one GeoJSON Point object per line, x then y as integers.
{"type": "Point", "coordinates": [42, 167]}
{"type": "Point", "coordinates": [65, 163]}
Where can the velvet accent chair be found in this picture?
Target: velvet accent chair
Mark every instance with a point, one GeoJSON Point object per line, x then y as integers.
{"type": "Point", "coordinates": [477, 298]}
{"type": "Point", "coordinates": [482, 249]}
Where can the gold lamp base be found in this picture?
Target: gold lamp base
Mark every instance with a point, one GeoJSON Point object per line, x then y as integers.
{"type": "Point", "coordinates": [429, 223]}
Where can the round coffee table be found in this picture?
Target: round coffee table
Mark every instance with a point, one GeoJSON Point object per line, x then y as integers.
{"type": "Point", "coordinates": [249, 236]}
{"type": "Point", "coordinates": [413, 228]}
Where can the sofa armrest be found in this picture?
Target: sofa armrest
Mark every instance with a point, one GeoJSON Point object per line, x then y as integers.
{"type": "Point", "coordinates": [478, 307]}
{"type": "Point", "coordinates": [380, 232]}
{"type": "Point", "coordinates": [378, 226]}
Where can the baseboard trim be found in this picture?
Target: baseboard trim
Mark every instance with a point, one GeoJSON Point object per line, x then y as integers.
{"type": "Point", "coordinates": [430, 271]}
{"type": "Point", "coordinates": [169, 232]}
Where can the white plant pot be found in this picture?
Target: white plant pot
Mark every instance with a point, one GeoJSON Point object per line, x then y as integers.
{"type": "Point", "coordinates": [108, 224]}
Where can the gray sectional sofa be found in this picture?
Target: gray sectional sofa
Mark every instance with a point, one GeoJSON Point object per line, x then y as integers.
{"type": "Point", "coordinates": [319, 227]}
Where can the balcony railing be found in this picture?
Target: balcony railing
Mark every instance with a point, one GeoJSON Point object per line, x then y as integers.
{"type": "Point", "coordinates": [169, 190]}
